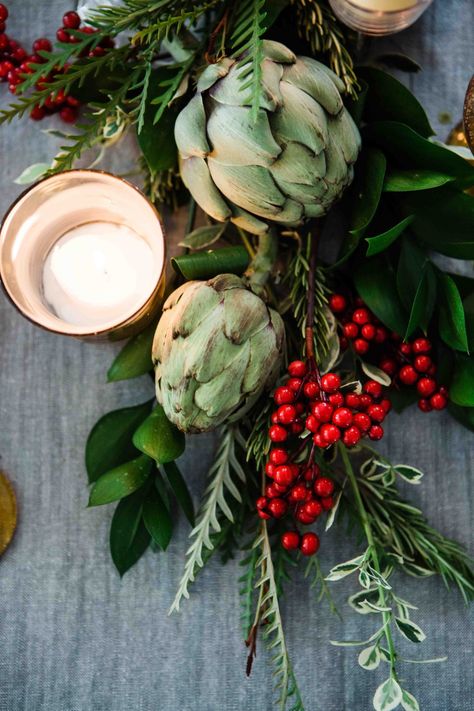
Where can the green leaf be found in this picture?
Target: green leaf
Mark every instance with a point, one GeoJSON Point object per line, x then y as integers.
{"type": "Point", "coordinates": [368, 183]}
{"type": "Point", "coordinates": [135, 357]}
{"type": "Point", "coordinates": [380, 242]}
{"type": "Point", "coordinates": [452, 320]}
{"type": "Point", "coordinates": [121, 481]}
{"type": "Point", "coordinates": [388, 98]}
{"type": "Point", "coordinates": [157, 519]}
{"type": "Point", "coordinates": [424, 301]}
{"type": "Point", "coordinates": [468, 305]}
{"type": "Point", "coordinates": [461, 391]}
{"type": "Point", "coordinates": [205, 265]}
{"type": "Point", "coordinates": [129, 538]}
{"type": "Point", "coordinates": [400, 181]}
{"type": "Point", "coordinates": [32, 173]}
{"type": "Point", "coordinates": [416, 284]}
{"type": "Point", "coordinates": [356, 106]}
{"type": "Point", "coordinates": [464, 415]}
{"type": "Point", "coordinates": [388, 696]}
{"type": "Point", "coordinates": [369, 658]}
{"type": "Point", "coordinates": [157, 141]}
{"type": "Point", "coordinates": [343, 569]}
{"type": "Point", "coordinates": [410, 630]}
{"type": "Point", "coordinates": [376, 284]}
{"type": "Point", "coordinates": [410, 474]}
{"type": "Point", "coordinates": [180, 490]}
{"type": "Point", "coordinates": [401, 399]}
{"type": "Point", "coordinates": [376, 374]}
{"type": "Point", "coordinates": [158, 438]}
{"type": "Point", "coordinates": [204, 236]}
{"type": "Point", "coordinates": [410, 150]}
{"type": "Point", "coordinates": [409, 703]}
{"type": "Point", "coordinates": [110, 441]}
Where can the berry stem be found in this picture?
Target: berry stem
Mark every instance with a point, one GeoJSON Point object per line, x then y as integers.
{"type": "Point", "coordinates": [311, 295]}
{"type": "Point", "coordinates": [386, 616]}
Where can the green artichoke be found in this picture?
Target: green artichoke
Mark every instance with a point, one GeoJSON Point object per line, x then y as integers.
{"type": "Point", "coordinates": [289, 163]}
{"type": "Point", "coordinates": [216, 347]}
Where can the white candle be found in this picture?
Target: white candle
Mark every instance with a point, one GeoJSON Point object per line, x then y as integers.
{"type": "Point", "coordinates": [384, 5]}
{"type": "Point", "coordinates": [98, 273]}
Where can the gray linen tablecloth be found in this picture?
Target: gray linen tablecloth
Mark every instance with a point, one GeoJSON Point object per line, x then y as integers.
{"type": "Point", "coordinates": [73, 636]}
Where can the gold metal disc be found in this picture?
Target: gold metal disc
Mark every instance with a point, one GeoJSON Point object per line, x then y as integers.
{"type": "Point", "coordinates": [7, 512]}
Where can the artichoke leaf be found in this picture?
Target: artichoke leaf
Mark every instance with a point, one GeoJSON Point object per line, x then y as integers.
{"type": "Point", "coordinates": [265, 342]}
{"type": "Point", "coordinates": [195, 306]}
{"type": "Point", "coordinates": [278, 52]}
{"type": "Point", "coordinates": [250, 187]}
{"type": "Point", "coordinates": [303, 120]}
{"type": "Point", "coordinates": [297, 164]}
{"type": "Point", "coordinates": [236, 90]}
{"type": "Point", "coordinates": [237, 139]}
{"type": "Point", "coordinates": [214, 72]}
{"type": "Point", "coordinates": [316, 83]}
{"type": "Point", "coordinates": [302, 193]}
{"type": "Point", "coordinates": [190, 129]}
{"type": "Point", "coordinates": [226, 386]}
{"type": "Point", "coordinates": [344, 132]}
{"type": "Point", "coordinates": [291, 213]}
{"type": "Point", "coordinates": [246, 221]}
{"type": "Point", "coordinates": [314, 209]}
{"type": "Point", "coordinates": [246, 321]}
{"type": "Point", "coordinates": [196, 177]}
{"type": "Point", "coordinates": [336, 164]}
{"type": "Point", "coordinates": [313, 65]}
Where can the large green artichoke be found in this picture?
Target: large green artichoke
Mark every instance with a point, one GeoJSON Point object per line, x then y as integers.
{"type": "Point", "coordinates": [291, 162]}
{"type": "Point", "coordinates": [216, 347]}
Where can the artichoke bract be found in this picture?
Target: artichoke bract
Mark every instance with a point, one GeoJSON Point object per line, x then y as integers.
{"type": "Point", "coordinates": [216, 347]}
{"type": "Point", "coordinates": [290, 162]}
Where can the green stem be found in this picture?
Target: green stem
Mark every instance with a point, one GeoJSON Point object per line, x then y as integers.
{"type": "Point", "coordinates": [262, 263]}
{"type": "Point", "coordinates": [386, 616]}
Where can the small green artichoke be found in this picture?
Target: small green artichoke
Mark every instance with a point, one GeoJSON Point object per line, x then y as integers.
{"type": "Point", "coordinates": [216, 347]}
{"type": "Point", "coordinates": [291, 162]}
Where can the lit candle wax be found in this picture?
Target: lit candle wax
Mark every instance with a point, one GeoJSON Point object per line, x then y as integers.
{"type": "Point", "coordinates": [97, 273]}
{"type": "Point", "coordinates": [384, 5]}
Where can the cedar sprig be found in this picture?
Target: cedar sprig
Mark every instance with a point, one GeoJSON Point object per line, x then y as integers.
{"type": "Point", "coordinates": [157, 31]}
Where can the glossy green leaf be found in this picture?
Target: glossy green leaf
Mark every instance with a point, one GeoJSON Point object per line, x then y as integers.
{"type": "Point", "coordinates": [129, 538]}
{"type": "Point", "coordinates": [423, 302]}
{"type": "Point", "coordinates": [464, 415]}
{"type": "Point", "coordinates": [398, 60]}
{"type": "Point", "coordinates": [380, 242]}
{"type": "Point", "coordinates": [375, 281]}
{"type": "Point", "coordinates": [110, 441]}
{"type": "Point", "coordinates": [416, 283]}
{"type": "Point", "coordinates": [452, 320]}
{"type": "Point", "coordinates": [410, 630]}
{"type": "Point", "coordinates": [157, 519]}
{"type": "Point", "coordinates": [367, 189]}
{"type": "Point", "coordinates": [468, 305]}
{"type": "Point", "coordinates": [356, 106]}
{"type": "Point", "coordinates": [121, 481]}
{"type": "Point", "coordinates": [401, 399]}
{"type": "Point", "coordinates": [135, 357]}
{"type": "Point", "coordinates": [400, 181]}
{"type": "Point", "coordinates": [180, 490]}
{"type": "Point", "coordinates": [461, 390]}
{"type": "Point", "coordinates": [389, 99]}
{"type": "Point", "coordinates": [157, 141]}
{"type": "Point", "coordinates": [410, 150]}
{"type": "Point", "coordinates": [205, 265]}
{"type": "Point", "coordinates": [204, 236]}
{"type": "Point", "coordinates": [158, 438]}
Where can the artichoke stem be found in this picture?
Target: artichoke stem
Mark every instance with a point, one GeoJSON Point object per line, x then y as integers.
{"type": "Point", "coordinates": [262, 264]}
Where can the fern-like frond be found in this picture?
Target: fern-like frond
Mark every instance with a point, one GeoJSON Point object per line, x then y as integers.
{"type": "Point", "coordinates": [247, 589]}
{"type": "Point", "coordinates": [170, 86]}
{"type": "Point", "coordinates": [157, 31]}
{"type": "Point", "coordinates": [246, 42]}
{"type": "Point", "coordinates": [214, 502]}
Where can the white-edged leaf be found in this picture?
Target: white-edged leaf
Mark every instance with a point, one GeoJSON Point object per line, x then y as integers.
{"type": "Point", "coordinates": [409, 703]}
{"type": "Point", "coordinates": [203, 236]}
{"type": "Point", "coordinates": [331, 356]}
{"type": "Point", "coordinates": [410, 630]}
{"type": "Point", "coordinates": [32, 173]}
{"type": "Point", "coordinates": [357, 600]}
{"type": "Point", "coordinates": [356, 642]}
{"type": "Point", "coordinates": [410, 474]}
{"type": "Point", "coordinates": [370, 607]}
{"type": "Point", "coordinates": [379, 579]}
{"type": "Point", "coordinates": [416, 570]}
{"type": "Point", "coordinates": [343, 569]}
{"type": "Point", "coordinates": [388, 696]}
{"type": "Point", "coordinates": [333, 511]}
{"type": "Point", "coordinates": [376, 374]}
{"type": "Point", "coordinates": [364, 579]}
{"type": "Point", "coordinates": [369, 658]}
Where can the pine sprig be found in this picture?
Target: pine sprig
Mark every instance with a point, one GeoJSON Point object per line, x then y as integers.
{"type": "Point", "coordinates": [157, 31]}
{"type": "Point", "coordinates": [247, 589]}
{"type": "Point", "coordinates": [246, 39]}
{"type": "Point", "coordinates": [214, 502]}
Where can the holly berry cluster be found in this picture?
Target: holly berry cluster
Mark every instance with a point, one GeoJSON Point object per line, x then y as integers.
{"type": "Point", "coordinates": [408, 363]}
{"type": "Point", "coordinates": [15, 62]}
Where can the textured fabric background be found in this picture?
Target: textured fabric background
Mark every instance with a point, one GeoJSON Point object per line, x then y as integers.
{"type": "Point", "coordinates": [73, 636]}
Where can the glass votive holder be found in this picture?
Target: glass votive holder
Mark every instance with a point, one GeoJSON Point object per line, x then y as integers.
{"type": "Point", "coordinates": [82, 253]}
{"type": "Point", "coordinates": [379, 17]}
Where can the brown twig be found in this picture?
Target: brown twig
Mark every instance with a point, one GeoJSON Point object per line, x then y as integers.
{"type": "Point", "coordinates": [209, 55]}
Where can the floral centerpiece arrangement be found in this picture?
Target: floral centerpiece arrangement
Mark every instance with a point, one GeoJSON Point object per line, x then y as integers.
{"type": "Point", "coordinates": [310, 302]}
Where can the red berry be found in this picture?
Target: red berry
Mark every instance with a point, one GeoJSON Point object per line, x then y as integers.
{"type": "Point", "coordinates": [372, 387]}
{"type": "Point", "coordinates": [296, 427]}
{"type": "Point", "coordinates": [290, 540]}
{"type": "Point", "coordinates": [361, 346]}
{"type": "Point", "coordinates": [426, 386]}
{"type": "Point", "coordinates": [319, 441]}
{"type": "Point", "coordinates": [71, 20]}
{"type": "Point", "coordinates": [42, 44]}
{"type": "Point", "coordinates": [376, 432]}
{"type": "Point", "coordinates": [277, 507]}
{"type": "Point", "coordinates": [309, 543]}
{"type": "Point", "coordinates": [365, 400]}
{"type": "Point", "coordinates": [337, 303]}
{"type": "Point", "coordinates": [303, 517]}
{"type": "Point", "coordinates": [284, 475]}
{"type": "Point", "coordinates": [312, 423]}
{"type": "Point", "coordinates": [330, 433]}
{"type": "Point", "coordinates": [19, 55]}
{"type": "Point", "coordinates": [405, 349]}
{"type": "Point", "coordinates": [350, 330]}
{"type": "Point", "coordinates": [3, 27]}
{"type": "Point", "coordinates": [438, 401]}
{"type": "Point", "coordinates": [408, 375]}
{"type": "Point", "coordinates": [422, 363]}
{"type": "Point", "coordinates": [362, 421]}
{"type": "Point", "coordinates": [37, 113]}
{"type": "Point", "coordinates": [368, 331]}
{"type": "Point", "coordinates": [270, 469]}
{"type": "Point", "coordinates": [336, 399]}
{"type": "Point", "coordinates": [297, 369]}
{"type": "Point", "coordinates": [380, 335]}
{"type": "Point", "coordinates": [421, 345]}
{"type": "Point", "coordinates": [424, 405]}
{"type": "Point", "coordinates": [323, 486]}
{"type": "Point", "coordinates": [344, 343]}
{"type": "Point", "coordinates": [444, 391]}
{"type": "Point", "coordinates": [313, 508]}
{"type": "Point", "coordinates": [351, 436]}
{"type": "Point", "coordinates": [72, 101]}
{"type": "Point", "coordinates": [3, 12]}
{"type": "Point", "coordinates": [342, 417]}
{"type": "Point", "coordinates": [294, 384]}
{"type": "Point", "coordinates": [322, 411]}
{"type": "Point", "coordinates": [13, 77]}
{"type": "Point", "coordinates": [278, 456]}
{"type": "Point", "coordinates": [286, 414]}
{"type": "Point", "coordinates": [261, 502]}
{"type": "Point", "coordinates": [5, 68]}
{"type": "Point", "coordinates": [298, 493]}
{"type": "Point", "coordinates": [284, 395]}
{"type": "Point", "coordinates": [263, 514]}
{"type": "Point", "coordinates": [311, 390]}
{"type": "Point", "coordinates": [352, 400]}
{"type": "Point", "coordinates": [274, 418]}
{"type": "Point", "coordinates": [388, 365]}
{"type": "Point", "coordinates": [68, 114]}
{"type": "Point", "coordinates": [277, 433]}
{"type": "Point", "coordinates": [62, 35]}
{"type": "Point", "coordinates": [376, 413]}
{"type": "Point", "coordinates": [361, 316]}
{"type": "Point", "coordinates": [327, 503]}
{"type": "Point", "coordinates": [271, 491]}
{"type": "Point", "coordinates": [330, 382]}
{"type": "Point", "coordinates": [386, 404]}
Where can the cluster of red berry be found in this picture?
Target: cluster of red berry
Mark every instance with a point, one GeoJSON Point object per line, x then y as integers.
{"type": "Point", "coordinates": [407, 363]}
{"type": "Point", "coordinates": [15, 62]}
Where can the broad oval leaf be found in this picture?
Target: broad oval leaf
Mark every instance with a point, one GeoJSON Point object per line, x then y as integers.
{"type": "Point", "coordinates": [375, 282]}
{"type": "Point", "coordinates": [367, 189]}
{"type": "Point", "coordinates": [157, 519]}
{"type": "Point", "coordinates": [409, 703]}
{"type": "Point", "coordinates": [401, 181]}
{"type": "Point", "coordinates": [452, 319]}
{"type": "Point", "coordinates": [135, 357]}
{"type": "Point", "coordinates": [121, 481]}
{"type": "Point", "coordinates": [129, 538]}
{"type": "Point", "coordinates": [110, 441]}
{"type": "Point", "coordinates": [32, 173]}
{"type": "Point", "coordinates": [388, 696]}
{"type": "Point", "coordinates": [369, 658]}
{"type": "Point", "coordinates": [461, 390]}
{"type": "Point", "coordinates": [204, 236]}
{"type": "Point", "coordinates": [181, 491]}
{"type": "Point", "coordinates": [410, 630]}
{"type": "Point", "coordinates": [157, 141]}
{"type": "Point", "coordinates": [158, 438]}
{"type": "Point", "coordinates": [416, 283]}
{"type": "Point", "coordinates": [380, 242]}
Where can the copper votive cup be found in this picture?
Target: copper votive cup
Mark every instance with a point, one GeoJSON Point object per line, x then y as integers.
{"type": "Point", "coordinates": [52, 207]}
{"type": "Point", "coordinates": [378, 18]}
